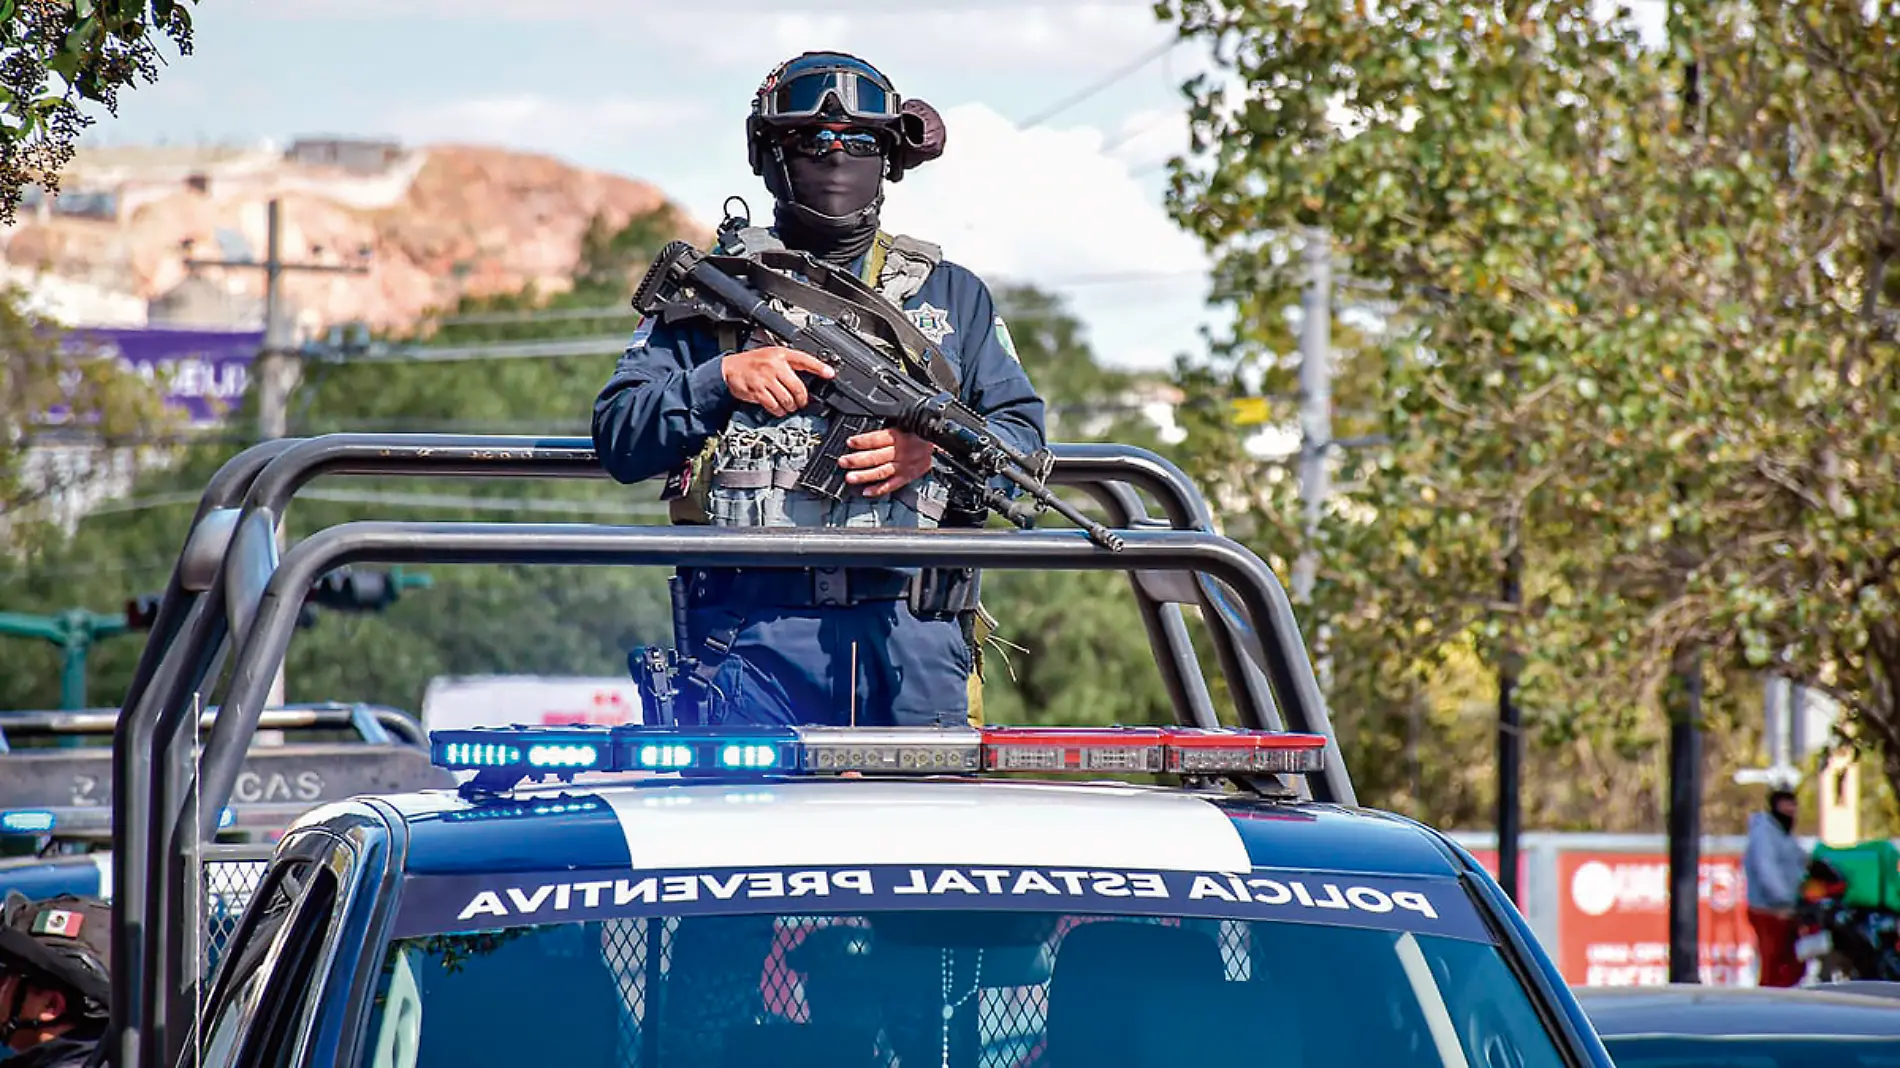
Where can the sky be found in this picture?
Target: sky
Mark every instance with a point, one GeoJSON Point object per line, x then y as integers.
{"type": "Point", "coordinates": [1073, 202]}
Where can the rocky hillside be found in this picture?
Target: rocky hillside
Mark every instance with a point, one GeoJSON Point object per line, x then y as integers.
{"type": "Point", "coordinates": [427, 224]}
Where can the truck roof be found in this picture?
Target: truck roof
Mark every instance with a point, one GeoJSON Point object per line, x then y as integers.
{"type": "Point", "coordinates": [666, 824]}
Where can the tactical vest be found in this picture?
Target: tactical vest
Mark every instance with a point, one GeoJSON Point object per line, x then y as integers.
{"type": "Point", "coordinates": [746, 476]}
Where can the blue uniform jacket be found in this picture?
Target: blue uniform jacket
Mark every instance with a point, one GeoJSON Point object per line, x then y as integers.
{"type": "Point", "coordinates": [667, 396]}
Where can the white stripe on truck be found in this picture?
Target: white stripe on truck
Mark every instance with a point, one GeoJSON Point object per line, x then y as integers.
{"type": "Point", "coordinates": [929, 823]}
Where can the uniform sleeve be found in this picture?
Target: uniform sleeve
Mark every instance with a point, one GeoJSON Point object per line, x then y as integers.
{"type": "Point", "coordinates": [667, 396]}
{"type": "Point", "coordinates": [995, 385]}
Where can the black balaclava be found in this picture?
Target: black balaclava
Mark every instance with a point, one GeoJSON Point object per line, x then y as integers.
{"type": "Point", "coordinates": [827, 205]}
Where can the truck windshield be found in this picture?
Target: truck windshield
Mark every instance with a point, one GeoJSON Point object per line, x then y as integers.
{"type": "Point", "coordinates": [950, 989]}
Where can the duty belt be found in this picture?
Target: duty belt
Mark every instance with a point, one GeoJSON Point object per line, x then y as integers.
{"type": "Point", "coordinates": [804, 588]}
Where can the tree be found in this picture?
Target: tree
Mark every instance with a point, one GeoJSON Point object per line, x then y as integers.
{"type": "Point", "coordinates": [1639, 336]}
{"type": "Point", "coordinates": [1070, 648]}
{"type": "Point", "coordinates": [95, 48]}
{"type": "Point", "coordinates": [54, 391]}
{"type": "Point", "coordinates": [474, 620]}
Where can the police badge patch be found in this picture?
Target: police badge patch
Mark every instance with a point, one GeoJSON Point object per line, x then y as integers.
{"type": "Point", "coordinates": [1002, 338]}
{"type": "Point", "coordinates": [932, 322]}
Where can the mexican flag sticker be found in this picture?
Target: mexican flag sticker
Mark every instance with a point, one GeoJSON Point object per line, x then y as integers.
{"type": "Point", "coordinates": [58, 922]}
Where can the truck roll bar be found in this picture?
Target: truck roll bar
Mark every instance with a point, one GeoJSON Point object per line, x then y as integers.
{"type": "Point", "coordinates": [230, 592]}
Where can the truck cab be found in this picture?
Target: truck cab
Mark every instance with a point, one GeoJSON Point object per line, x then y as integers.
{"type": "Point", "coordinates": [829, 911]}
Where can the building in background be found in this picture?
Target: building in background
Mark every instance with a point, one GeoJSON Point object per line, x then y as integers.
{"type": "Point", "coordinates": [203, 374]}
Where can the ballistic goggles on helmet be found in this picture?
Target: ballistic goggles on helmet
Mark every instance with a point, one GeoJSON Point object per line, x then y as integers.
{"type": "Point", "coordinates": [810, 87]}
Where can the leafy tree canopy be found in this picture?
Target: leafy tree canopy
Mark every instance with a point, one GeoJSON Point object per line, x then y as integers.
{"type": "Point", "coordinates": [58, 55]}
{"type": "Point", "coordinates": [1641, 331]}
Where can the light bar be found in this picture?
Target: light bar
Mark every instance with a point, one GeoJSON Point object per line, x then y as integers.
{"type": "Point", "coordinates": [1133, 749]}
{"type": "Point", "coordinates": [533, 750]}
{"type": "Point", "coordinates": [1200, 751]}
{"type": "Point", "coordinates": [917, 750]}
{"type": "Point", "coordinates": [724, 749]}
{"type": "Point", "coordinates": [27, 821]}
{"type": "Point", "coordinates": [503, 756]}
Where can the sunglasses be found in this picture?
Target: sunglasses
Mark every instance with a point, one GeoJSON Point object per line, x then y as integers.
{"type": "Point", "coordinates": [817, 142]}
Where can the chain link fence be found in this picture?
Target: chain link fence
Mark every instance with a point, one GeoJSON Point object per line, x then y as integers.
{"type": "Point", "coordinates": [230, 878]}
{"type": "Point", "coordinates": [936, 1006]}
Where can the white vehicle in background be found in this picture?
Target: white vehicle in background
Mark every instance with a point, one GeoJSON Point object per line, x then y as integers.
{"type": "Point", "coordinates": [461, 702]}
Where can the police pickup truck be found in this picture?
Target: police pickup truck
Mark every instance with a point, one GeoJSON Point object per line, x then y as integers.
{"type": "Point", "coordinates": [675, 896]}
{"type": "Point", "coordinates": [831, 897]}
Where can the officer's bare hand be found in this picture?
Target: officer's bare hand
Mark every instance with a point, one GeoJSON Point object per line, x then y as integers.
{"type": "Point", "coordinates": [768, 377]}
{"type": "Point", "coordinates": [892, 459]}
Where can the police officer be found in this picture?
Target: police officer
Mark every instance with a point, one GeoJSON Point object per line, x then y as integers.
{"type": "Point", "coordinates": [55, 979]}
{"type": "Point", "coordinates": [728, 417]}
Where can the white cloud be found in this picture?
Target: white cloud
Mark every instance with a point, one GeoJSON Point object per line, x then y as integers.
{"type": "Point", "coordinates": [1037, 202]}
{"type": "Point", "coordinates": [1150, 137]}
{"type": "Point", "coordinates": [530, 120]}
{"type": "Point", "coordinates": [1048, 206]}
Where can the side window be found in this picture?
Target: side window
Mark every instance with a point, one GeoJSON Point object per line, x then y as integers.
{"type": "Point", "coordinates": [261, 993]}
{"type": "Point", "coordinates": [399, 1036]}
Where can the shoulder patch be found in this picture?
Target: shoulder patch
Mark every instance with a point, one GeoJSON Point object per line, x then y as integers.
{"type": "Point", "coordinates": [1003, 339]}
{"type": "Point", "coordinates": [641, 333]}
{"type": "Point", "coordinates": [931, 321]}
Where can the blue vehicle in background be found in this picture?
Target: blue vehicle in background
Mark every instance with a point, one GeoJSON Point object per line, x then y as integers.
{"type": "Point", "coordinates": [56, 798]}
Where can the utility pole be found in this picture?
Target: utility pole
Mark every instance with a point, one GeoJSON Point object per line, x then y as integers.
{"type": "Point", "coordinates": [1316, 401]}
{"type": "Point", "coordinates": [278, 368]}
{"type": "Point", "coordinates": [1510, 771]}
{"type": "Point", "coordinates": [1685, 686]}
{"type": "Point", "coordinates": [1316, 426]}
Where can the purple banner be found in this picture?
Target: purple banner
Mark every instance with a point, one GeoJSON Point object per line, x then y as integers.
{"type": "Point", "coordinates": [203, 372]}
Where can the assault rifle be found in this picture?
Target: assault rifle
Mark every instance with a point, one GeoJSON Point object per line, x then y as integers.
{"type": "Point", "coordinates": [870, 390]}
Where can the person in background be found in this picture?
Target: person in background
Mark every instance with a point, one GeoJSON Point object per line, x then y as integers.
{"type": "Point", "coordinates": [1774, 864]}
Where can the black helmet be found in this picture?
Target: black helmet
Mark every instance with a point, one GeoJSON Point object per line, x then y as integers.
{"type": "Point", "coordinates": [63, 942]}
{"type": "Point", "coordinates": [837, 87]}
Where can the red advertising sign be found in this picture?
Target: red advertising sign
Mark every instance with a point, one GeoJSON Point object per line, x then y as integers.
{"type": "Point", "coordinates": [1613, 919]}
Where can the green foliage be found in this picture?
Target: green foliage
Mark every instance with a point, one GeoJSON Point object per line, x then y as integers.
{"type": "Point", "coordinates": [1649, 346]}
{"type": "Point", "coordinates": [95, 48]}
{"type": "Point", "coordinates": [1080, 655]}
{"type": "Point", "coordinates": [1071, 648]}
{"type": "Point", "coordinates": [39, 372]}
{"type": "Point", "coordinates": [473, 620]}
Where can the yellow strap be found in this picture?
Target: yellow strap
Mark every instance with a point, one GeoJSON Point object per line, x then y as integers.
{"type": "Point", "coordinates": [982, 632]}
{"type": "Point", "coordinates": [874, 261]}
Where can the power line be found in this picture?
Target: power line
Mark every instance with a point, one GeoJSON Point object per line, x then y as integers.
{"type": "Point", "coordinates": [611, 345]}
{"type": "Point", "coordinates": [548, 315]}
{"type": "Point", "coordinates": [1117, 75]}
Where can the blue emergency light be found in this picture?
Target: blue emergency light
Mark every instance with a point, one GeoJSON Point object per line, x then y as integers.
{"type": "Point", "coordinates": [504, 756]}
{"type": "Point", "coordinates": [27, 821]}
